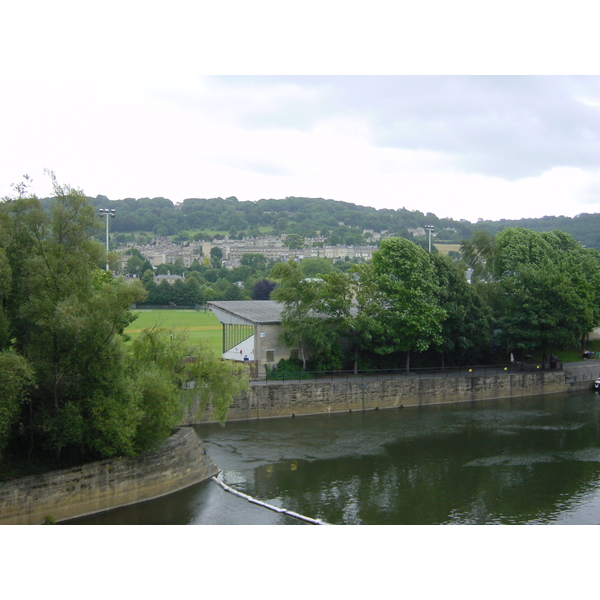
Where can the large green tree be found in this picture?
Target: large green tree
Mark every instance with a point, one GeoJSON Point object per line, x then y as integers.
{"type": "Point", "coordinates": [65, 314]}
{"type": "Point", "coordinates": [16, 376]}
{"type": "Point", "coordinates": [301, 326]}
{"type": "Point", "coordinates": [398, 299]}
{"type": "Point", "coordinates": [467, 329]}
{"type": "Point", "coordinates": [77, 391]}
{"type": "Point", "coordinates": [549, 286]}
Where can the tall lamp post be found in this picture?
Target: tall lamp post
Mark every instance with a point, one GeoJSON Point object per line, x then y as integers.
{"type": "Point", "coordinates": [430, 229]}
{"type": "Point", "coordinates": [107, 212]}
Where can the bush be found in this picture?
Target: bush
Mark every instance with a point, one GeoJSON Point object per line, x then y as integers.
{"type": "Point", "coordinates": [287, 368]}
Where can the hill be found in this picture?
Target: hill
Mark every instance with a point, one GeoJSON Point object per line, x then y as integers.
{"type": "Point", "coordinates": [339, 222]}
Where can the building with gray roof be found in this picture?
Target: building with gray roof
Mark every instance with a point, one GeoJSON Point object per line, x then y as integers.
{"type": "Point", "coordinates": [251, 331]}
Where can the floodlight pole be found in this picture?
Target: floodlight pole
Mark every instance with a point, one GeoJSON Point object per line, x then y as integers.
{"type": "Point", "coordinates": [430, 229]}
{"type": "Point", "coordinates": [107, 212]}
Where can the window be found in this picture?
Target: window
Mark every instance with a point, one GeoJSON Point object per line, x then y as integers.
{"type": "Point", "coordinates": [294, 353]}
{"type": "Point", "coordinates": [270, 355]}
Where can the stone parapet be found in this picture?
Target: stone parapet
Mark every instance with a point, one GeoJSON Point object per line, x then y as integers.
{"type": "Point", "coordinates": [180, 462]}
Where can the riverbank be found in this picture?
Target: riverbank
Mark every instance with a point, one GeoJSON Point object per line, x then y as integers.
{"type": "Point", "coordinates": [277, 399]}
{"type": "Point", "coordinates": [56, 496]}
{"type": "Point", "coordinates": [182, 461]}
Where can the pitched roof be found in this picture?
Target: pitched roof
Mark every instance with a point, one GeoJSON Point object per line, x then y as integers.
{"type": "Point", "coordinates": [253, 311]}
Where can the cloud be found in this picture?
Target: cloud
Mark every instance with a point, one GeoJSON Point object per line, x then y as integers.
{"type": "Point", "coordinates": [590, 193]}
{"type": "Point", "coordinates": [507, 127]}
{"type": "Point", "coordinates": [262, 167]}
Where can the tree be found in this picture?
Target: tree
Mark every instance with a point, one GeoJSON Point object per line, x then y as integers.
{"type": "Point", "coordinates": [316, 313]}
{"type": "Point", "coordinates": [193, 292]}
{"type": "Point", "coordinates": [294, 240]}
{"type": "Point", "coordinates": [256, 261]}
{"type": "Point", "coordinates": [466, 330]}
{"type": "Point", "coordinates": [167, 373]}
{"type": "Point", "coordinates": [398, 299]}
{"type": "Point", "coordinates": [178, 292]}
{"type": "Point", "coordinates": [147, 277]}
{"type": "Point", "coordinates": [550, 288]}
{"type": "Point", "coordinates": [262, 289]}
{"type": "Point", "coordinates": [298, 294]}
{"type": "Point", "coordinates": [66, 315]}
{"type": "Point", "coordinates": [135, 265]}
{"type": "Point", "coordinates": [78, 392]}
{"type": "Point", "coordinates": [542, 311]}
{"type": "Point", "coordinates": [313, 267]}
{"type": "Point", "coordinates": [216, 257]}
{"type": "Point", "coordinates": [16, 376]}
{"type": "Point", "coordinates": [335, 306]}
{"type": "Point", "coordinates": [479, 255]}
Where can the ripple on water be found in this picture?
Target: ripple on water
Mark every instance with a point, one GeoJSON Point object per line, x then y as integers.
{"type": "Point", "coordinates": [518, 460]}
{"type": "Point", "coordinates": [585, 455]}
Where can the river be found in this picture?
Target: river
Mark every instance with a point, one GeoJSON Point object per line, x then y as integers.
{"type": "Point", "coordinates": [532, 460]}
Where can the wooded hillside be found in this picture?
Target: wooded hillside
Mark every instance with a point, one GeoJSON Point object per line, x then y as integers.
{"type": "Point", "coordinates": [339, 222]}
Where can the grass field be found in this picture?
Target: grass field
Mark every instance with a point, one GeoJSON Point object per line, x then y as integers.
{"type": "Point", "coordinates": [204, 325]}
{"type": "Point", "coordinates": [197, 324]}
{"type": "Point", "coordinates": [446, 248]}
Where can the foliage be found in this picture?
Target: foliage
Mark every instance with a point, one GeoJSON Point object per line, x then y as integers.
{"type": "Point", "coordinates": [467, 328]}
{"type": "Point", "coordinates": [307, 216]}
{"type": "Point", "coordinates": [478, 253]}
{"type": "Point", "coordinates": [398, 299]}
{"type": "Point", "coordinates": [69, 380]}
{"type": "Point", "coordinates": [297, 294]}
{"type": "Point", "coordinates": [550, 286]}
{"type": "Point", "coordinates": [286, 369]}
{"type": "Point", "coordinates": [16, 376]}
{"type": "Point", "coordinates": [163, 365]}
{"type": "Point", "coordinates": [294, 240]}
{"type": "Point", "coordinates": [216, 256]}
{"type": "Point", "coordinates": [544, 288]}
{"type": "Point", "coordinates": [314, 267]}
{"type": "Point", "coordinates": [262, 289]}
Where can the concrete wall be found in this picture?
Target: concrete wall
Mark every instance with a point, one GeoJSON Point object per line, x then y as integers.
{"type": "Point", "coordinates": [277, 399]}
{"type": "Point", "coordinates": [266, 337]}
{"type": "Point", "coordinates": [180, 462]}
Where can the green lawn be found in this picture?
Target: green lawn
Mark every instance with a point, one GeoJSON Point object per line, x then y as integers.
{"type": "Point", "coordinates": [197, 324]}
{"type": "Point", "coordinates": [444, 249]}
{"type": "Point", "coordinates": [568, 354]}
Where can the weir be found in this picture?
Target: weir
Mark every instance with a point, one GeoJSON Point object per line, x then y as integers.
{"type": "Point", "coordinates": [284, 511]}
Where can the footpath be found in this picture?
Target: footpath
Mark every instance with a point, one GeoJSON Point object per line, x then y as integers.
{"type": "Point", "coordinates": [582, 370]}
{"type": "Point", "coordinates": [368, 376]}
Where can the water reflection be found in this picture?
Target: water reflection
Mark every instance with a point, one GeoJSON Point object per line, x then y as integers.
{"type": "Point", "coordinates": [534, 460]}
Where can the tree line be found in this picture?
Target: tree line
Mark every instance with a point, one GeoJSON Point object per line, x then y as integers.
{"type": "Point", "coordinates": [529, 292]}
{"type": "Point", "coordinates": [339, 222]}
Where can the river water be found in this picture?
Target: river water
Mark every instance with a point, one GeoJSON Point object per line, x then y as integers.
{"type": "Point", "coordinates": [529, 460]}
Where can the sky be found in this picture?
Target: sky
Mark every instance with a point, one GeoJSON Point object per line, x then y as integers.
{"type": "Point", "coordinates": [402, 109]}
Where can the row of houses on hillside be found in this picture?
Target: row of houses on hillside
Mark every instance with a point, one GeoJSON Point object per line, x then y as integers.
{"type": "Point", "coordinates": [163, 251]}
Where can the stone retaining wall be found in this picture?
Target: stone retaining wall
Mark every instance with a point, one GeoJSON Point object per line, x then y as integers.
{"type": "Point", "coordinates": [582, 371]}
{"type": "Point", "coordinates": [277, 399]}
{"type": "Point", "coordinates": [95, 487]}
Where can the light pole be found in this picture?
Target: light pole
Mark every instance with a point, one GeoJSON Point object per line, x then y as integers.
{"type": "Point", "coordinates": [107, 212]}
{"type": "Point", "coordinates": [430, 229]}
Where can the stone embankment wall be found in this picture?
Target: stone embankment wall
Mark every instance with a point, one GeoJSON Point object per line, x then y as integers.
{"type": "Point", "coordinates": [277, 399]}
{"type": "Point", "coordinates": [180, 462]}
{"type": "Point", "coordinates": [582, 373]}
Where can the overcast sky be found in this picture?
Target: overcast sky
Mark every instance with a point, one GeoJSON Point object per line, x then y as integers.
{"type": "Point", "coordinates": [142, 99]}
